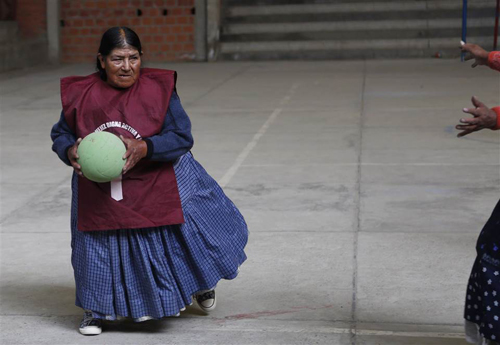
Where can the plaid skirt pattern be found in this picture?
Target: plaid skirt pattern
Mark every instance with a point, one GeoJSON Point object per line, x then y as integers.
{"type": "Point", "coordinates": [153, 272]}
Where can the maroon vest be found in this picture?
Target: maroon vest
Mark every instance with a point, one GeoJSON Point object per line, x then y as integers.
{"type": "Point", "coordinates": [150, 193]}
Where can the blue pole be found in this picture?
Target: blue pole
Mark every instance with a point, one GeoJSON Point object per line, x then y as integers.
{"type": "Point", "coordinates": [495, 35]}
{"type": "Point", "coordinates": [464, 26]}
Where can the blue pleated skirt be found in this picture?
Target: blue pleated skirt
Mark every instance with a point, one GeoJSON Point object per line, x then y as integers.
{"type": "Point", "coordinates": [153, 272]}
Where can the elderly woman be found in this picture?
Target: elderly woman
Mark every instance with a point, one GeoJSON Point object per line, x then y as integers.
{"type": "Point", "coordinates": [170, 234]}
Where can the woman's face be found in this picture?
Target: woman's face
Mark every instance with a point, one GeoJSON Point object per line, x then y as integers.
{"type": "Point", "coordinates": [122, 66]}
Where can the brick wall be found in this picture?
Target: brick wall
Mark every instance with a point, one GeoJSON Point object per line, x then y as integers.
{"type": "Point", "coordinates": [31, 17]}
{"type": "Point", "coordinates": [165, 27]}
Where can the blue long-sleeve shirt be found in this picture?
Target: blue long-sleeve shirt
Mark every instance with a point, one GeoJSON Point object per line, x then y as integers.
{"type": "Point", "coordinates": [173, 141]}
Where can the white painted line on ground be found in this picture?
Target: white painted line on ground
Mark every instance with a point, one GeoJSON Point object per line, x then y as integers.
{"type": "Point", "coordinates": [250, 146]}
{"type": "Point", "coordinates": [410, 334]}
{"type": "Point", "coordinates": [338, 330]}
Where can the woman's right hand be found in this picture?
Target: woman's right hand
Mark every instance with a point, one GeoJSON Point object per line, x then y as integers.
{"type": "Point", "coordinates": [475, 52]}
{"type": "Point", "coordinates": [73, 156]}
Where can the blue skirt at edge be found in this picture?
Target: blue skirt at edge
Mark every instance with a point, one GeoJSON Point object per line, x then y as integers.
{"type": "Point", "coordinates": [153, 272]}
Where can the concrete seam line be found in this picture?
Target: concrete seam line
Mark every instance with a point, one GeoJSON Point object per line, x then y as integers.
{"type": "Point", "coordinates": [32, 201]}
{"type": "Point", "coordinates": [250, 146]}
{"type": "Point", "coordinates": [380, 164]}
{"type": "Point", "coordinates": [357, 205]}
{"type": "Point", "coordinates": [215, 87]}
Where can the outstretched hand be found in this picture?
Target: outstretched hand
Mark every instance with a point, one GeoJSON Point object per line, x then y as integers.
{"type": "Point", "coordinates": [136, 150]}
{"type": "Point", "coordinates": [483, 118]}
{"type": "Point", "coordinates": [73, 156]}
{"type": "Point", "coordinates": [475, 52]}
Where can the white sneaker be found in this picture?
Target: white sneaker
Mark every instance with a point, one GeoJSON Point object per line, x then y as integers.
{"type": "Point", "coordinates": [206, 300]}
{"type": "Point", "coordinates": [89, 325]}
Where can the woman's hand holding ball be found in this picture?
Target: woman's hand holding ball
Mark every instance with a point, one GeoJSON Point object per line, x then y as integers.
{"type": "Point", "coordinates": [73, 156]}
{"type": "Point", "coordinates": [136, 150]}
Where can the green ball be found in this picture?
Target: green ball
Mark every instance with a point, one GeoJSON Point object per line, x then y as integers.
{"type": "Point", "coordinates": [101, 156]}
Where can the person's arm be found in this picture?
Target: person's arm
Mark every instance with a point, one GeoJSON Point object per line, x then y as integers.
{"type": "Point", "coordinates": [175, 138]}
{"type": "Point", "coordinates": [494, 60]}
{"type": "Point", "coordinates": [62, 139]}
{"type": "Point", "coordinates": [497, 111]}
{"type": "Point", "coordinates": [65, 144]}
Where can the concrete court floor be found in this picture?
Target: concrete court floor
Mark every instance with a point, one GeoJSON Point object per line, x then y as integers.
{"type": "Point", "coordinates": [363, 205]}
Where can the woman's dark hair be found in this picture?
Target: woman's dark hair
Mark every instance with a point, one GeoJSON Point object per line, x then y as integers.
{"type": "Point", "coordinates": [117, 37]}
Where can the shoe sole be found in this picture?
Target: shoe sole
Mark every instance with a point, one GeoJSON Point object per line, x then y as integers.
{"type": "Point", "coordinates": [91, 330]}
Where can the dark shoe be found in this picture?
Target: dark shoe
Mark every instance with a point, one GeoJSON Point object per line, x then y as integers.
{"type": "Point", "coordinates": [89, 325]}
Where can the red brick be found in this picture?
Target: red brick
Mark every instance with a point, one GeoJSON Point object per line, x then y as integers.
{"type": "Point", "coordinates": [177, 29]}
{"type": "Point", "coordinates": [170, 20]}
{"type": "Point", "coordinates": [74, 32]}
{"type": "Point", "coordinates": [152, 12]}
{"type": "Point", "coordinates": [89, 4]}
{"type": "Point", "coordinates": [154, 48]}
{"type": "Point", "coordinates": [159, 20]}
{"type": "Point", "coordinates": [90, 40]}
{"type": "Point", "coordinates": [181, 38]}
{"type": "Point", "coordinates": [112, 4]}
{"type": "Point", "coordinates": [124, 22]}
{"type": "Point", "coordinates": [147, 21]}
{"type": "Point", "coordinates": [182, 20]}
{"type": "Point", "coordinates": [189, 47]}
{"type": "Point", "coordinates": [147, 38]}
{"type": "Point", "coordinates": [158, 39]}
{"type": "Point", "coordinates": [188, 29]}
{"type": "Point", "coordinates": [153, 30]}
{"type": "Point", "coordinates": [100, 22]}
{"type": "Point", "coordinates": [135, 21]}
{"type": "Point", "coordinates": [78, 22]}
{"type": "Point", "coordinates": [91, 48]}
{"type": "Point", "coordinates": [170, 38]}
{"type": "Point", "coordinates": [112, 22]}
{"type": "Point", "coordinates": [66, 41]}
{"type": "Point", "coordinates": [177, 11]}
{"type": "Point", "coordinates": [165, 30]}
{"type": "Point", "coordinates": [185, 3]}
{"type": "Point", "coordinates": [85, 31]}
{"type": "Point", "coordinates": [148, 3]}
{"type": "Point", "coordinates": [96, 31]}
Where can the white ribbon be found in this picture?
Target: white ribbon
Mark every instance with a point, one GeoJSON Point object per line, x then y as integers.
{"type": "Point", "coordinates": [116, 188]}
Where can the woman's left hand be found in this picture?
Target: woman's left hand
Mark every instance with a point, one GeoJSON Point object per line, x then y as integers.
{"type": "Point", "coordinates": [483, 118]}
{"type": "Point", "coordinates": [136, 150]}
